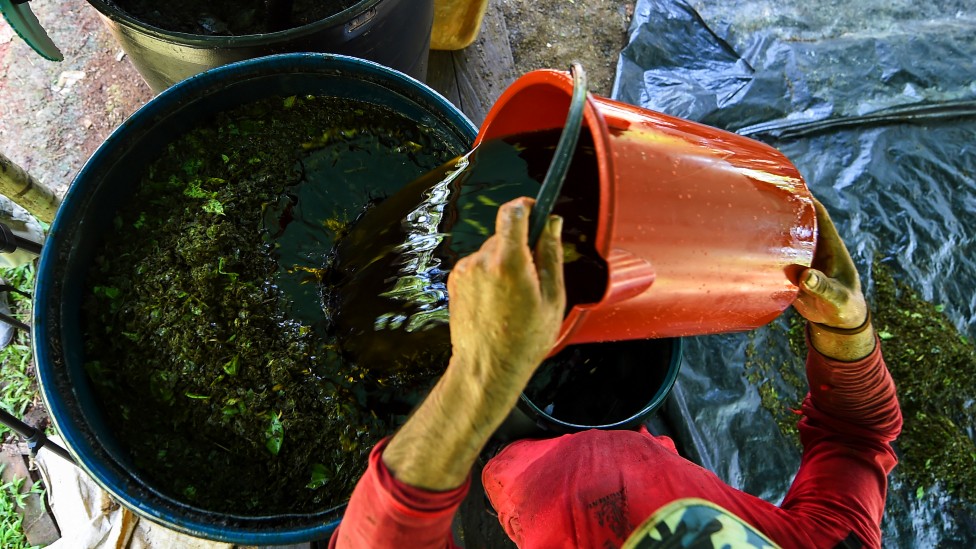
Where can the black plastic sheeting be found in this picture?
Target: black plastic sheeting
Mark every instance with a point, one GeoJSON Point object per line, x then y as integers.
{"type": "Point", "coordinates": [875, 103]}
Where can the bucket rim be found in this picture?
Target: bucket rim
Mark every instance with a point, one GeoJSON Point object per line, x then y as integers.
{"type": "Point", "coordinates": [48, 322]}
{"type": "Point", "coordinates": [674, 367]}
{"type": "Point", "coordinates": [123, 18]}
{"type": "Point", "coordinates": [595, 123]}
{"type": "Point", "coordinates": [203, 84]}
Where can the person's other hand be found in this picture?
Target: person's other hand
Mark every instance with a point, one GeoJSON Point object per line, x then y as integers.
{"type": "Point", "coordinates": [831, 298]}
{"type": "Point", "coordinates": [830, 291]}
{"type": "Point", "coordinates": [507, 303]}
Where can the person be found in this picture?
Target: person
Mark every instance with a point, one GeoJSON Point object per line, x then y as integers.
{"type": "Point", "coordinates": [596, 488]}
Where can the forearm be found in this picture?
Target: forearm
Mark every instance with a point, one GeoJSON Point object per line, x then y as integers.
{"type": "Point", "coordinates": [385, 513]}
{"type": "Point", "coordinates": [506, 308]}
{"type": "Point", "coordinates": [850, 419]}
{"type": "Point", "coordinates": [438, 445]}
{"type": "Point", "coordinates": [858, 392]}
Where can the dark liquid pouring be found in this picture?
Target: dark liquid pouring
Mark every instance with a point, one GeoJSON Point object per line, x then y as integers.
{"type": "Point", "coordinates": [387, 292]}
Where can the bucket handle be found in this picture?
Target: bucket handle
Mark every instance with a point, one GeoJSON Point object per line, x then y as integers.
{"type": "Point", "coordinates": [553, 183]}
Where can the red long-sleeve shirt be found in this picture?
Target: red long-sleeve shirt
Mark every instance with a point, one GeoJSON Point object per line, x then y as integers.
{"type": "Point", "coordinates": [591, 489]}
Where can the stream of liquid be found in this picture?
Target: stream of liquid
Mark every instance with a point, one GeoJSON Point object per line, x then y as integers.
{"type": "Point", "coordinates": [386, 292]}
{"type": "Point", "coordinates": [381, 292]}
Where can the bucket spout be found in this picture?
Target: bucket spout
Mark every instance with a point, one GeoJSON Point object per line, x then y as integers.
{"type": "Point", "coordinates": [630, 276]}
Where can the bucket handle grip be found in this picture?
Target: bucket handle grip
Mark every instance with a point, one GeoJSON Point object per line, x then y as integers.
{"type": "Point", "coordinates": [553, 183]}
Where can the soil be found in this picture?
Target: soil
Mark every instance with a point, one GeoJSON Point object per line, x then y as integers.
{"type": "Point", "coordinates": [554, 33]}
{"type": "Point", "coordinates": [54, 115]}
{"type": "Point", "coordinates": [207, 338]}
{"type": "Point", "coordinates": [231, 17]}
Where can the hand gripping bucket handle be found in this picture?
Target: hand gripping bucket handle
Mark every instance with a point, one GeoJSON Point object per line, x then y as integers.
{"type": "Point", "coordinates": [556, 175]}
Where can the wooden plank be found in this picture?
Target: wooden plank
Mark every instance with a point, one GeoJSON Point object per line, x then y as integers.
{"type": "Point", "coordinates": [485, 68]}
{"type": "Point", "coordinates": [442, 77]}
{"type": "Point", "coordinates": [474, 77]}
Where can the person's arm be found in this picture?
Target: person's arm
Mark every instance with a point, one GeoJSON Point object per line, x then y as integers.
{"type": "Point", "coordinates": [851, 414]}
{"type": "Point", "coordinates": [847, 375]}
{"type": "Point", "coordinates": [506, 309]}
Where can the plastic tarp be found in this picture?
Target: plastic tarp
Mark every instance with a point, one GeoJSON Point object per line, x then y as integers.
{"type": "Point", "coordinates": [875, 103]}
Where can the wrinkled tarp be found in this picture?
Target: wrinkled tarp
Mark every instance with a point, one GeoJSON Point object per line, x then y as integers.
{"type": "Point", "coordinates": [875, 103]}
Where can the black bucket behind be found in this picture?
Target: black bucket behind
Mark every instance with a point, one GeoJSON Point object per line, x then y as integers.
{"type": "Point", "coordinates": [612, 385]}
{"type": "Point", "coordinates": [394, 33]}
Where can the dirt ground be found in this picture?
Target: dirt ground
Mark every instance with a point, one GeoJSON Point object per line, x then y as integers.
{"type": "Point", "coordinates": [54, 115]}
{"type": "Point", "coordinates": [554, 33]}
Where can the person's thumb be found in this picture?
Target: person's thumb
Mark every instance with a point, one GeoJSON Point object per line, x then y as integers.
{"type": "Point", "coordinates": [821, 287]}
{"type": "Point", "coordinates": [815, 282]}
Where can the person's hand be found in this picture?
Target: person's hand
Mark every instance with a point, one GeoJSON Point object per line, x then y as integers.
{"type": "Point", "coordinates": [830, 291]}
{"type": "Point", "coordinates": [507, 304]}
{"type": "Point", "coordinates": [831, 298]}
{"type": "Point", "coordinates": [506, 308]}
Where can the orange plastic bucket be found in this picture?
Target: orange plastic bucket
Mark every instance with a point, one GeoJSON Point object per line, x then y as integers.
{"type": "Point", "coordinates": [703, 231]}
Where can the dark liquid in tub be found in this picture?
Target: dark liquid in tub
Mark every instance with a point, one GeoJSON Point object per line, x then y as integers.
{"type": "Point", "coordinates": [388, 284]}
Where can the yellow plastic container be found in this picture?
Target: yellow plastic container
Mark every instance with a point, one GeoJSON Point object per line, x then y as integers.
{"type": "Point", "coordinates": [456, 23]}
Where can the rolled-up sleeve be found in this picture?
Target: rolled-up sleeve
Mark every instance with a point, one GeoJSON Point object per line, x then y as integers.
{"type": "Point", "coordinates": [851, 417]}
{"type": "Point", "coordinates": [384, 512]}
